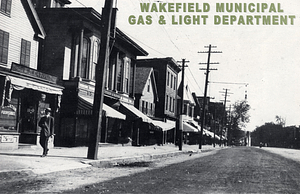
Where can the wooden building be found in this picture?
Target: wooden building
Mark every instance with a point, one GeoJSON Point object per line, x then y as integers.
{"type": "Point", "coordinates": [166, 73]}
{"type": "Point", "coordinates": [70, 51]}
{"type": "Point", "coordinates": [25, 91]}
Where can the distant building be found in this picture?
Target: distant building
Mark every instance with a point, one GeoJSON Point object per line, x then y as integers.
{"type": "Point", "coordinates": [191, 128]}
{"type": "Point", "coordinates": [145, 91]}
{"type": "Point", "coordinates": [166, 73]}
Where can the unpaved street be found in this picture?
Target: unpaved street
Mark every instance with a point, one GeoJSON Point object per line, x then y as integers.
{"type": "Point", "coordinates": [26, 182]}
{"type": "Point", "coordinates": [231, 170]}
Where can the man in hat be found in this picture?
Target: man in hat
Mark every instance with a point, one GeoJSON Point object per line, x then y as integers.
{"type": "Point", "coordinates": [47, 130]}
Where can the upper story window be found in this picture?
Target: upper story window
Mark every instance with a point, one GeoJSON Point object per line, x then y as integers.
{"type": "Point", "coordinates": [127, 62]}
{"type": "Point", "coordinates": [119, 70]}
{"type": "Point", "coordinates": [4, 38]}
{"type": "Point", "coordinates": [96, 50]}
{"type": "Point", "coordinates": [5, 6]}
{"type": "Point", "coordinates": [148, 86]}
{"type": "Point", "coordinates": [167, 104]}
{"type": "Point", "coordinates": [25, 53]}
{"type": "Point", "coordinates": [174, 83]}
{"type": "Point", "coordinates": [84, 68]}
{"type": "Point", "coordinates": [168, 78]}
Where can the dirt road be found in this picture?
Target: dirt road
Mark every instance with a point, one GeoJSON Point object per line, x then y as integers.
{"type": "Point", "coordinates": [232, 170]}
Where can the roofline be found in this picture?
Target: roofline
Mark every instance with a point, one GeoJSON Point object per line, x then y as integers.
{"type": "Point", "coordinates": [98, 16]}
{"type": "Point", "coordinates": [170, 61]}
{"type": "Point", "coordinates": [34, 19]}
{"type": "Point", "coordinates": [134, 44]}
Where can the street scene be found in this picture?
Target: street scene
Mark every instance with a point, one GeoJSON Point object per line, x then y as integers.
{"type": "Point", "coordinates": [107, 96]}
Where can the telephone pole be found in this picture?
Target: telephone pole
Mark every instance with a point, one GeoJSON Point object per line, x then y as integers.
{"type": "Point", "coordinates": [180, 130]}
{"type": "Point", "coordinates": [225, 115]}
{"type": "Point", "coordinates": [101, 68]}
{"type": "Point", "coordinates": [205, 89]}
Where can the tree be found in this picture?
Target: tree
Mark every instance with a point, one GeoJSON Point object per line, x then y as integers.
{"type": "Point", "coordinates": [280, 120]}
{"type": "Point", "coordinates": [239, 117]}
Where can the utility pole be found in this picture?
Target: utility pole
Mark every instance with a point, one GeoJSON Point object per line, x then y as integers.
{"type": "Point", "coordinates": [205, 89]}
{"type": "Point", "coordinates": [224, 117]}
{"type": "Point", "coordinates": [181, 108]}
{"type": "Point", "coordinates": [101, 68]}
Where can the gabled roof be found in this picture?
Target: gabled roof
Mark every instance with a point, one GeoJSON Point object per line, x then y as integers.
{"type": "Point", "coordinates": [141, 77]}
{"type": "Point", "coordinates": [34, 18]}
{"type": "Point", "coordinates": [187, 94]}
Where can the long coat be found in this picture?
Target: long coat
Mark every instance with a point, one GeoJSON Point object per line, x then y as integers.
{"type": "Point", "coordinates": [47, 126]}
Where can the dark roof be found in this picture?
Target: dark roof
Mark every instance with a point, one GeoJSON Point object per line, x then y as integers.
{"type": "Point", "coordinates": [168, 61]}
{"type": "Point", "coordinates": [141, 76]}
{"type": "Point", "coordinates": [65, 1]}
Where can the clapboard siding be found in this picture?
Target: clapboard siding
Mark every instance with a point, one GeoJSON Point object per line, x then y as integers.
{"type": "Point", "coordinates": [18, 26]}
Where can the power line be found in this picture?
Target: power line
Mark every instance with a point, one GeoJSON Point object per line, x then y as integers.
{"type": "Point", "coordinates": [143, 43]}
{"type": "Point", "coordinates": [195, 80]}
{"type": "Point", "coordinates": [229, 83]}
{"type": "Point", "coordinates": [80, 3]}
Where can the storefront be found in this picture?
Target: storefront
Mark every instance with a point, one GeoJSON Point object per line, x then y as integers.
{"type": "Point", "coordinates": [25, 93]}
{"type": "Point", "coordinates": [76, 116]}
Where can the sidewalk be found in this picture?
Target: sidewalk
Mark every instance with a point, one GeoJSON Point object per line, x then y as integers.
{"type": "Point", "coordinates": [61, 158]}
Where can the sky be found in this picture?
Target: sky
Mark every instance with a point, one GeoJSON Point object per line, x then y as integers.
{"type": "Point", "coordinates": [259, 60]}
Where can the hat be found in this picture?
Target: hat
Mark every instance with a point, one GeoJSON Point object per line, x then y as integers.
{"type": "Point", "coordinates": [48, 110]}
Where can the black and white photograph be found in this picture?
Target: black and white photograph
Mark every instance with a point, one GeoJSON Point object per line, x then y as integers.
{"type": "Point", "coordinates": [149, 96]}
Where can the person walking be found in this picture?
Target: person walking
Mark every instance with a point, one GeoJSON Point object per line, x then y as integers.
{"type": "Point", "coordinates": [47, 130]}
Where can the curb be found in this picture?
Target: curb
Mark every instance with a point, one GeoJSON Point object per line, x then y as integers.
{"type": "Point", "coordinates": [143, 158]}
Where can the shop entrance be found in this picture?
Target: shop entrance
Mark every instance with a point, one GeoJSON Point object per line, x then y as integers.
{"type": "Point", "coordinates": [33, 104]}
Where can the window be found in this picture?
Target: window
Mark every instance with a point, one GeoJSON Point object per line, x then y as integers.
{"type": "Point", "coordinates": [4, 37]}
{"type": "Point", "coordinates": [126, 74]}
{"type": "Point", "coordinates": [174, 83]}
{"type": "Point", "coordinates": [167, 98]}
{"type": "Point", "coordinates": [25, 53]}
{"type": "Point", "coordinates": [5, 6]}
{"type": "Point", "coordinates": [185, 109]}
{"type": "Point", "coordinates": [171, 81]}
{"type": "Point", "coordinates": [173, 105]}
{"type": "Point", "coordinates": [146, 109]}
{"type": "Point", "coordinates": [82, 67]}
{"type": "Point", "coordinates": [118, 73]}
{"type": "Point", "coordinates": [170, 104]}
{"type": "Point", "coordinates": [168, 79]}
{"type": "Point", "coordinates": [95, 59]}
{"type": "Point", "coordinates": [148, 87]}
{"type": "Point", "coordinates": [143, 106]}
{"type": "Point", "coordinates": [84, 59]}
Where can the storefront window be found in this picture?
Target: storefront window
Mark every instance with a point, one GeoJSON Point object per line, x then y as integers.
{"type": "Point", "coordinates": [8, 116]}
{"type": "Point", "coordinates": [8, 108]}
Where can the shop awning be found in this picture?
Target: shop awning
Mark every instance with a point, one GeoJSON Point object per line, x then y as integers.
{"type": "Point", "coordinates": [189, 128]}
{"type": "Point", "coordinates": [211, 134]}
{"type": "Point", "coordinates": [165, 126]}
{"type": "Point", "coordinates": [110, 112]}
{"type": "Point", "coordinates": [136, 112]}
{"type": "Point", "coordinates": [43, 87]}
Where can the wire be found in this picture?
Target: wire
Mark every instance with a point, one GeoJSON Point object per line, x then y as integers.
{"type": "Point", "coordinates": [246, 84]}
{"type": "Point", "coordinates": [195, 80]}
{"type": "Point", "coordinates": [80, 3]}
